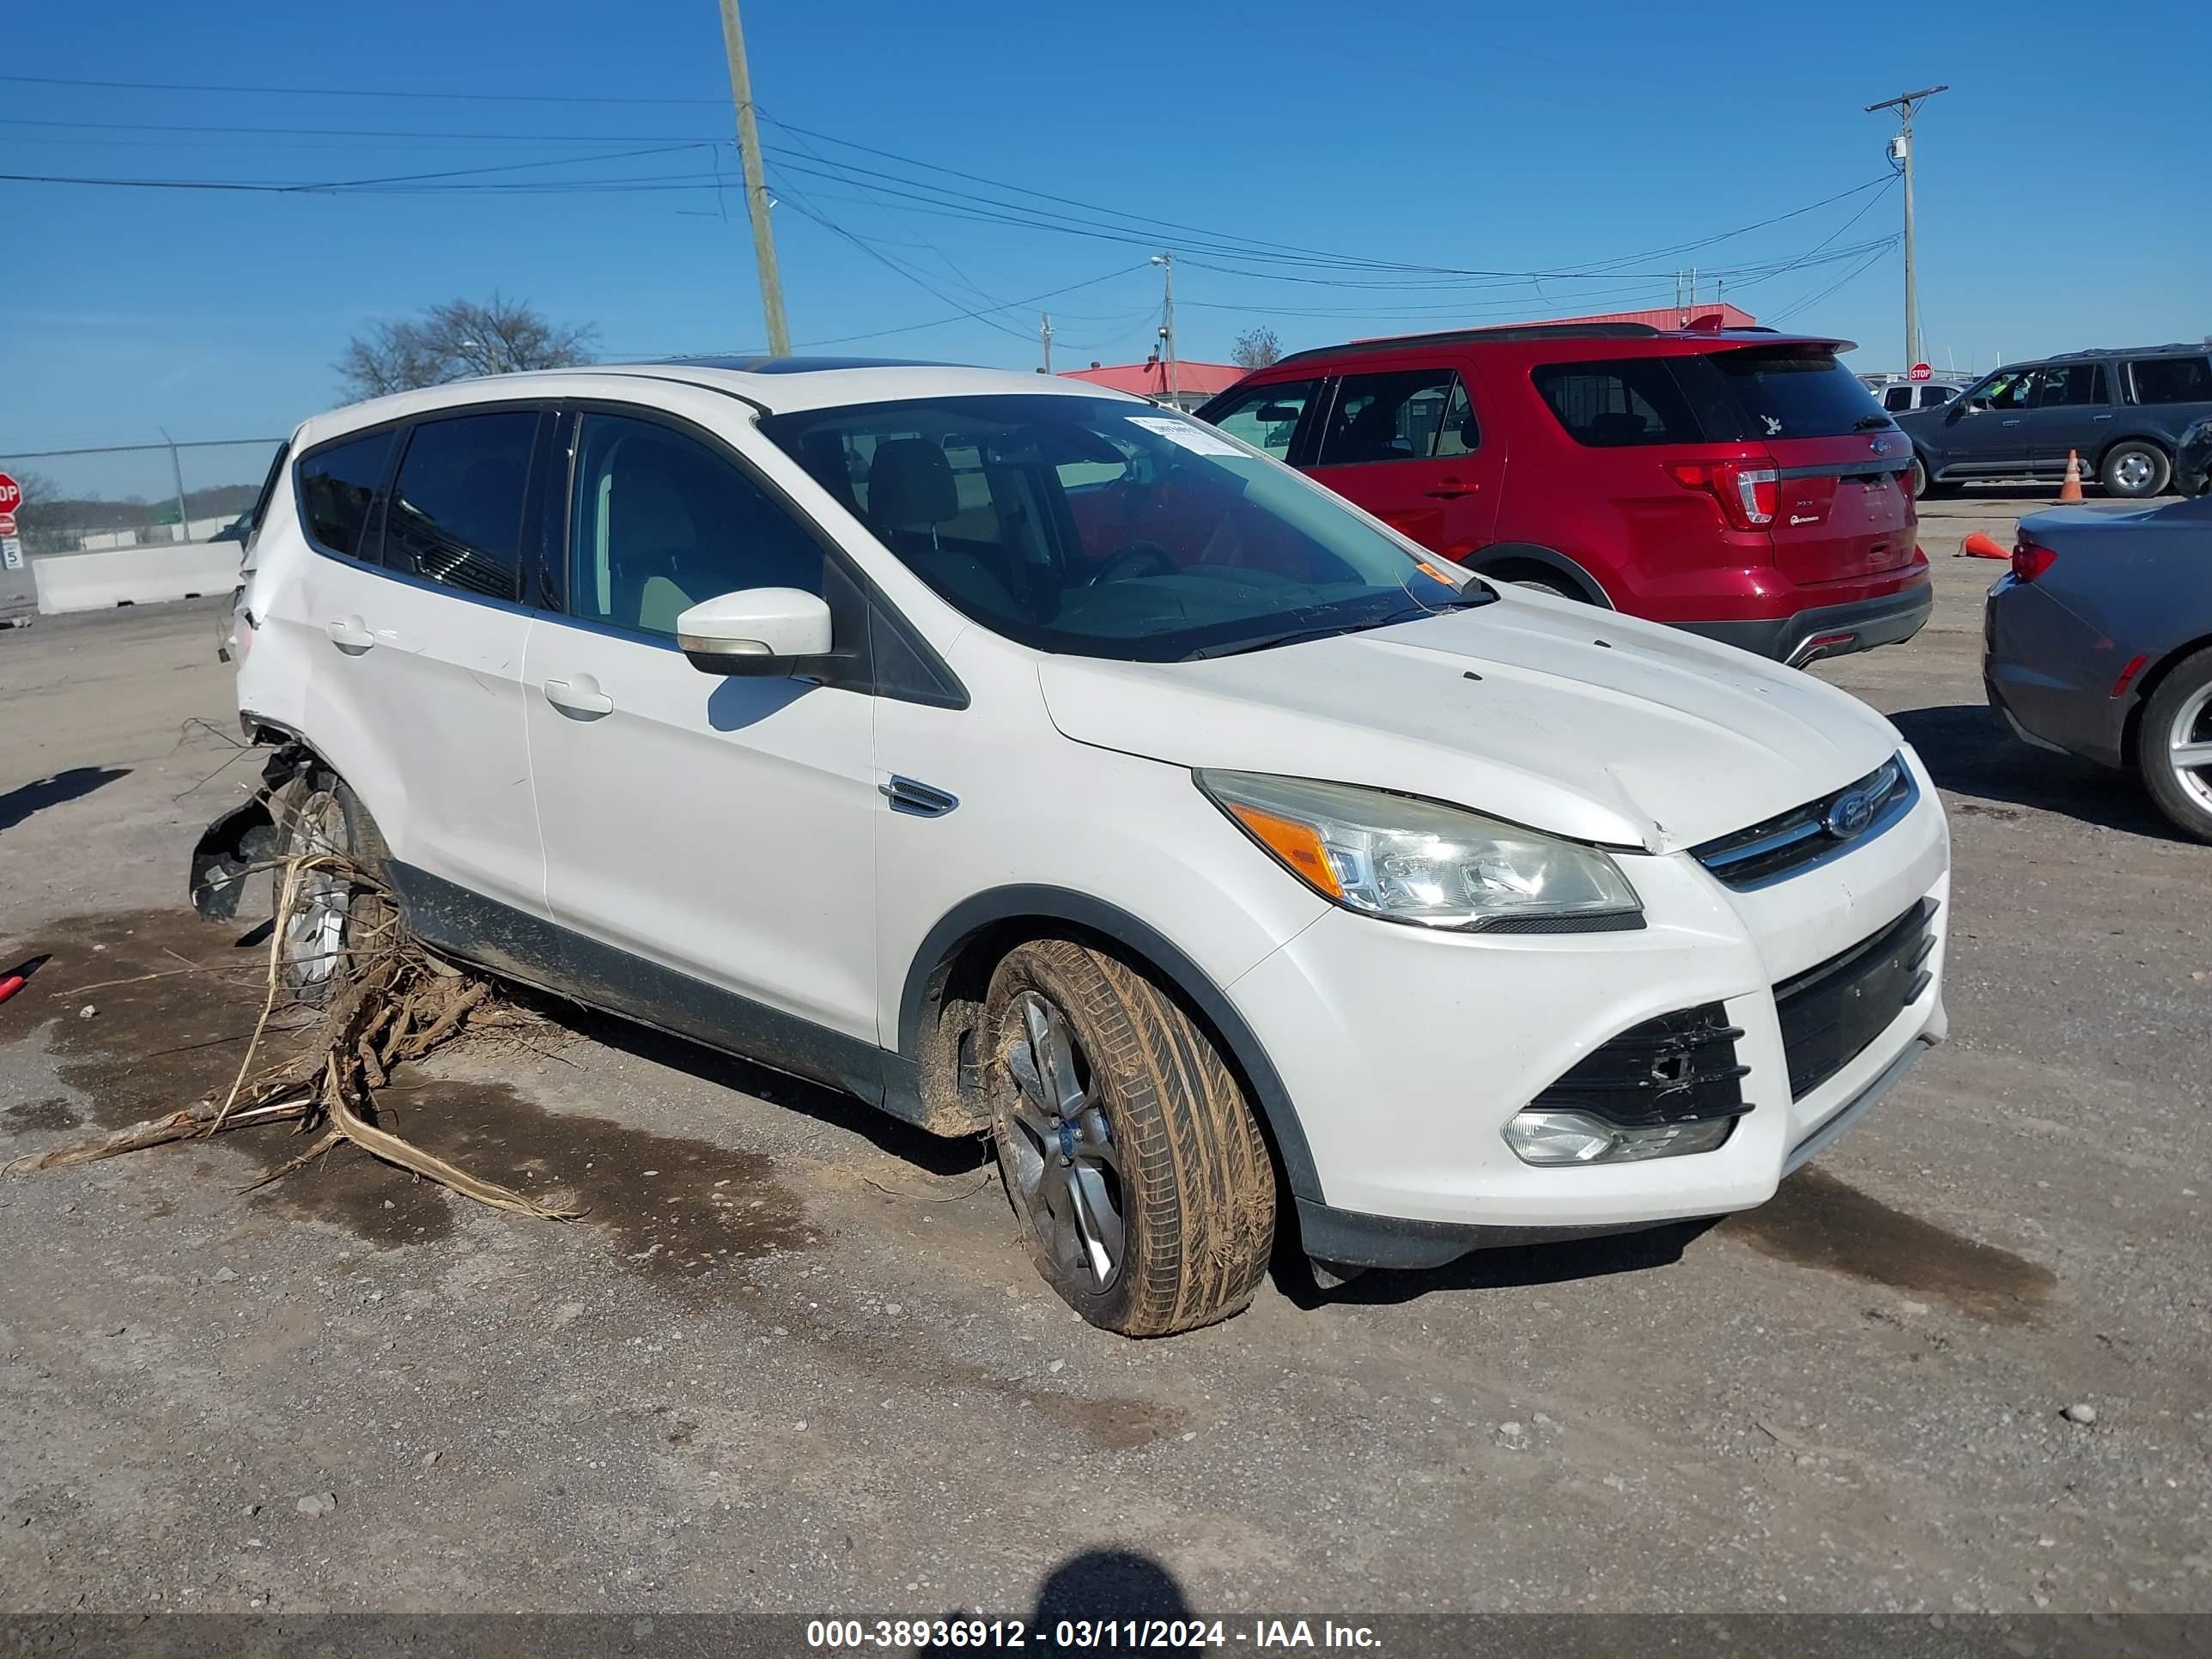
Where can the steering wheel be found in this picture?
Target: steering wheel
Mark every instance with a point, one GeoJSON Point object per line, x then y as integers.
{"type": "Point", "coordinates": [1125, 563]}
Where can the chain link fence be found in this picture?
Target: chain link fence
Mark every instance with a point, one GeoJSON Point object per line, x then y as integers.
{"type": "Point", "coordinates": [126, 495]}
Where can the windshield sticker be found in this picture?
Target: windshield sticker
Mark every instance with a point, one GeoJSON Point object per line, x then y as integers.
{"type": "Point", "coordinates": [1195, 439]}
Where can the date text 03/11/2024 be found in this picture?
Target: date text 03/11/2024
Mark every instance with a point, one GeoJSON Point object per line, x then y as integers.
{"type": "Point", "coordinates": [1084, 1634]}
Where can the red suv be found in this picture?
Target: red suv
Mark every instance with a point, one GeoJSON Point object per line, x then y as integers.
{"type": "Point", "coordinates": [1742, 484]}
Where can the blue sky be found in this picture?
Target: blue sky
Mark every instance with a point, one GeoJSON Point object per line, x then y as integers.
{"type": "Point", "coordinates": [2060, 188]}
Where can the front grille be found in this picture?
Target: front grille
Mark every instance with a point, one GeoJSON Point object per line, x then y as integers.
{"type": "Point", "coordinates": [1831, 1013]}
{"type": "Point", "coordinates": [1678, 1068]}
{"type": "Point", "coordinates": [1811, 834]}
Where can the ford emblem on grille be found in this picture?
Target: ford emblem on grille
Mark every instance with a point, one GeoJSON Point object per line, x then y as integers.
{"type": "Point", "coordinates": [1850, 816]}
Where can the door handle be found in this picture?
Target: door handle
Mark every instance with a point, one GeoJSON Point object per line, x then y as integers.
{"type": "Point", "coordinates": [579, 695]}
{"type": "Point", "coordinates": [350, 633]}
{"type": "Point", "coordinates": [2100, 417]}
{"type": "Point", "coordinates": [2014, 421]}
{"type": "Point", "coordinates": [1450, 489]}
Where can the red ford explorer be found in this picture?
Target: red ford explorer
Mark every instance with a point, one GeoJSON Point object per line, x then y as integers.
{"type": "Point", "coordinates": [1741, 483]}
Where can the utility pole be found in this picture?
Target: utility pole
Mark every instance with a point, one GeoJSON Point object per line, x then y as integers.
{"type": "Point", "coordinates": [741, 92]}
{"type": "Point", "coordinates": [1044, 335]}
{"type": "Point", "coordinates": [1900, 152]}
{"type": "Point", "coordinates": [1166, 263]}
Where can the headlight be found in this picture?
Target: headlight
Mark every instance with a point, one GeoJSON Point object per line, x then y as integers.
{"type": "Point", "coordinates": [1413, 860]}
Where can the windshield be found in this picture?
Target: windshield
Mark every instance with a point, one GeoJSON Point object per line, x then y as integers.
{"type": "Point", "coordinates": [1099, 527]}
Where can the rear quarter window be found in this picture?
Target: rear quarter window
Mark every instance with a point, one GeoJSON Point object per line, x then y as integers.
{"type": "Point", "coordinates": [336, 485]}
{"type": "Point", "coordinates": [2171, 380]}
{"type": "Point", "coordinates": [1620, 403]}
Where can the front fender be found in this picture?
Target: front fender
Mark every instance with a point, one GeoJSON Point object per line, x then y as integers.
{"type": "Point", "coordinates": [925, 983]}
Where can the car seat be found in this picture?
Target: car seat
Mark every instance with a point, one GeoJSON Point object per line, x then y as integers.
{"type": "Point", "coordinates": [912, 494]}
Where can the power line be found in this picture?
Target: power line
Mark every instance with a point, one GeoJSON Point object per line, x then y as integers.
{"type": "Point", "coordinates": [364, 132]}
{"type": "Point", "coordinates": [278, 189]}
{"type": "Point", "coordinates": [1849, 277]}
{"type": "Point", "coordinates": [348, 92]}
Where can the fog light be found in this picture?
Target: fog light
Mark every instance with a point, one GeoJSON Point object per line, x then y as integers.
{"type": "Point", "coordinates": [1555, 1137]}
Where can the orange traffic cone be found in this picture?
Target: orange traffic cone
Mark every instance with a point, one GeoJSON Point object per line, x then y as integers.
{"type": "Point", "coordinates": [1979, 546]}
{"type": "Point", "coordinates": [2071, 490]}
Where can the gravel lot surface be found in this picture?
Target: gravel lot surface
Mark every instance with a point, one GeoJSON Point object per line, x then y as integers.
{"type": "Point", "coordinates": [793, 1360]}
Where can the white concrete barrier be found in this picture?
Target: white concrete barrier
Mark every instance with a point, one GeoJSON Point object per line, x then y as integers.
{"type": "Point", "coordinates": [134, 576]}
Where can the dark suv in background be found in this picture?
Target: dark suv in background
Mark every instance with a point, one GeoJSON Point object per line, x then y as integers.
{"type": "Point", "coordinates": [2124, 412]}
{"type": "Point", "coordinates": [1742, 484]}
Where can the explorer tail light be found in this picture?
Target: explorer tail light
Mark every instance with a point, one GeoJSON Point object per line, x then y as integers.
{"type": "Point", "coordinates": [1749, 493]}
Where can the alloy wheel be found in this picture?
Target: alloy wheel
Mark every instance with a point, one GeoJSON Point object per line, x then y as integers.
{"type": "Point", "coordinates": [2189, 746]}
{"type": "Point", "coordinates": [314, 933]}
{"type": "Point", "coordinates": [2133, 472]}
{"type": "Point", "coordinates": [1059, 1149]}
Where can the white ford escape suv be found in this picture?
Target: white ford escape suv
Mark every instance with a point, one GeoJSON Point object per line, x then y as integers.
{"type": "Point", "coordinates": [1022, 757]}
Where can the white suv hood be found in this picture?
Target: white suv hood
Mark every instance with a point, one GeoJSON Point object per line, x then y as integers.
{"type": "Point", "coordinates": [1654, 738]}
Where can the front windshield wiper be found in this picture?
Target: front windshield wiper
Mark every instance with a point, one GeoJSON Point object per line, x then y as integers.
{"type": "Point", "coordinates": [1303, 635]}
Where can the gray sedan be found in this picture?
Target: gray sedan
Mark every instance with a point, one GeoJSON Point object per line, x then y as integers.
{"type": "Point", "coordinates": [2098, 643]}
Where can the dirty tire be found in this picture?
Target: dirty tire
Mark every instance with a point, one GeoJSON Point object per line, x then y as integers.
{"type": "Point", "coordinates": [319, 809]}
{"type": "Point", "coordinates": [1196, 1190]}
{"type": "Point", "coordinates": [2134, 471]}
{"type": "Point", "coordinates": [2179, 712]}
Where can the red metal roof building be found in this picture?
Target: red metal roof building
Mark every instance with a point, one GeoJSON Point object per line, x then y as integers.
{"type": "Point", "coordinates": [1666, 316]}
{"type": "Point", "coordinates": [1194, 382]}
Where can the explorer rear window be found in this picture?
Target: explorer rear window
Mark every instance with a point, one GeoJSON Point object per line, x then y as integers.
{"type": "Point", "coordinates": [1788, 392]}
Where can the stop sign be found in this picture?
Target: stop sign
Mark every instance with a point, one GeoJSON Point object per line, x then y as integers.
{"type": "Point", "coordinates": [1919, 372]}
{"type": "Point", "coordinates": [11, 494]}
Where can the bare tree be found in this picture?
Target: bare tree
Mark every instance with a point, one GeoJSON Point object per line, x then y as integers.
{"type": "Point", "coordinates": [1255, 348]}
{"type": "Point", "coordinates": [44, 520]}
{"type": "Point", "coordinates": [456, 340]}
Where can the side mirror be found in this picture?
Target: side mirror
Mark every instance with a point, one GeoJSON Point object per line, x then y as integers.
{"type": "Point", "coordinates": [758, 631]}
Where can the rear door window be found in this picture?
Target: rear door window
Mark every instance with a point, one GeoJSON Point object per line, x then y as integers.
{"type": "Point", "coordinates": [336, 486]}
{"type": "Point", "coordinates": [456, 512]}
{"type": "Point", "coordinates": [1621, 404]}
{"type": "Point", "coordinates": [1406, 415]}
{"type": "Point", "coordinates": [2057, 386]}
{"type": "Point", "coordinates": [1789, 392]}
{"type": "Point", "coordinates": [1266, 417]}
{"type": "Point", "coordinates": [2171, 379]}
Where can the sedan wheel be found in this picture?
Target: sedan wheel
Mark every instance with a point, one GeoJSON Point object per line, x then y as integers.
{"type": "Point", "coordinates": [2174, 745]}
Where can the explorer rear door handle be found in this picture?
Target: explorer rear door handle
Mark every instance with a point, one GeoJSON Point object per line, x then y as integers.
{"type": "Point", "coordinates": [1450, 489]}
{"type": "Point", "coordinates": [580, 696]}
{"type": "Point", "coordinates": [350, 634]}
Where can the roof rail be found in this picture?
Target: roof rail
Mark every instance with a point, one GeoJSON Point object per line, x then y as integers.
{"type": "Point", "coordinates": [1480, 336]}
{"type": "Point", "coordinates": [2198, 348]}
